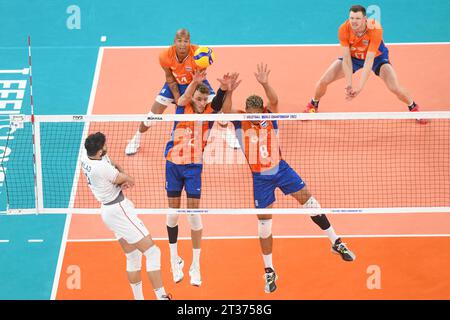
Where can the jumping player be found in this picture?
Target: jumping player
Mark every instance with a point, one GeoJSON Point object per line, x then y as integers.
{"type": "Point", "coordinates": [106, 180]}
{"type": "Point", "coordinates": [259, 143]}
{"type": "Point", "coordinates": [184, 153]}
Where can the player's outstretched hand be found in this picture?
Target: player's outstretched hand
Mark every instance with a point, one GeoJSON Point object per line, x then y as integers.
{"type": "Point", "coordinates": [262, 75]}
{"type": "Point", "coordinates": [229, 81]}
{"type": "Point", "coordinates": [199, 76]}
{"type": "Point", "coordinates": [234, 81]}
{"type": "Point", "coordinates": [224, 81]}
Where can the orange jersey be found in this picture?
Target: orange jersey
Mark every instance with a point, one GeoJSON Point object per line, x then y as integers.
{"type": "Point", "coordinates": [259, 143]}
{"type": "Point", "coordinates": [189, 138]}
{"type": "Point", "coordinates": [370, 41]}
{"type": "Point", "coordinates": [180, 70]}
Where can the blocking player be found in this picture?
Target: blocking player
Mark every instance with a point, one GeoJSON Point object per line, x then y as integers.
{"type": "Point", "coordinates": [184, 153]}
{"type": "Point", "coordinates": [106, 180]}
{"type": "Point", "coordinates": [259, 143]}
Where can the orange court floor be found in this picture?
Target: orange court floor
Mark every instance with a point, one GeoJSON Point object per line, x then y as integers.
{"type": "Point", "coordinates": [409, 251]}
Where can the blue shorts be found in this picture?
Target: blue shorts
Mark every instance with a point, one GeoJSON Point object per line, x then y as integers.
{"type": "Point", "coordinates": [377, 62]}
{"type": "Point", "coordinates": [165, 96]}
{"type": "Point", "coordinates": [188, 176]}
{"type": "Point", "coordinates": [264, 185]}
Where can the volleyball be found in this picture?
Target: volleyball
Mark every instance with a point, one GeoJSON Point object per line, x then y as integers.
{"type": "Point", "coordinates": [204, 57]}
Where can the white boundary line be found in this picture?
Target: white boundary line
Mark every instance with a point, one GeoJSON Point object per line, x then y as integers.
{"type": "Point", "coordinates": [283, 237]}
{"type": "Point", "coordinates": [35, 241]}
{"type": "Point", "coordinates": [8, 112]}
{"type": "Point", "coordinates": [76, 177]}
{"type": "Point", "coordinates": [243, 211]}
{"type": "Point", "coordinates": [279, 45]}
{"type": "Point", "coordinates": [19, 71]}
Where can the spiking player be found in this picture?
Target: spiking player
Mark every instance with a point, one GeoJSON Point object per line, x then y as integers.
{"type": "Point", "coordinates": [106, 180]}
{"type": "Point", "coordinates": [362, 46]}
{"type": "Point", "coordinates": [259, 143]}
{"type": "Point", "coordinates": [184, 153]}
{"type": "Point", "coordinates": [178, 65]}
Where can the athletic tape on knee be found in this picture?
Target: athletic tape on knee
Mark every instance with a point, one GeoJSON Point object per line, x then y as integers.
{"type": "Point", "coordinates": [264, 228]}
{"type": "Point", "coordinates": [153, 256]}
{"type": "Point", "coordinates": [172, 220]}
{"type": "Point", "coordinates": [148, 123]}
{"type": "Point", "coordinates": [134, 261]}
{"type": "Point", "coordinates": [195, 220]}
{"type": "Point", "coordinates": [312, 203]}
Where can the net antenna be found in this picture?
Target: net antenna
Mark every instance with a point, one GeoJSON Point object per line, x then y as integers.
{"type": "Point", "coordinates": [35, 131]}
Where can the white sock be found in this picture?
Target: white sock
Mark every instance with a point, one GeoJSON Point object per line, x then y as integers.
{"type": "Point", "coordinates": [137, 136]}
{"type": "Point", "coordinates": [160, 292]}
{"type": "Point", "coordinates": [267, 260]}
{"type": "Point", "coordinates": [173, 251]}
{"type": "Point", "coordinates": [196, 257]}
{"type": "Point", "coordinates": [137, 290]}
{"type": "Point", "coordinates": [331, 234]}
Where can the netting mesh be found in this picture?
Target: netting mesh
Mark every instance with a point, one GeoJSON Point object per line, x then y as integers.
{"type": "Point", "coordinates": [365, 163]}
{"type": "Point", "coordinates": [17, 167]}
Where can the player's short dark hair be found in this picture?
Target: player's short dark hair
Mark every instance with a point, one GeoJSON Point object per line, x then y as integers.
{"type": "Point", "coordinates": [254, 101]}
{"type": "Point", "coordinates": [358, 8]}
{"type": "Point", "coordinates": [203, 88]}
{"type": "Point", "coordinates": [94, 142]}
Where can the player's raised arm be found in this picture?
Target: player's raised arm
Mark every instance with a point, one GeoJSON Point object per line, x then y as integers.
{"type": "Point", "coordinates": [197, 77]}
{"type": "Point", "coordinates": [219, 98]}
{"type": "Point", "coordinates": [231, 83]}
{"type": "Point", "coordinates": [262, 75]}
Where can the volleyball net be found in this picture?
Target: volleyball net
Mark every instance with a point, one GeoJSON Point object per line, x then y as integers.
{"type": "Point", "coordinates": [351, 162]}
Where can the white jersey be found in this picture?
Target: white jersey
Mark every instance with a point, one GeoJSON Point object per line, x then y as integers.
{"type": "Point", "coordinates": [100, 175]}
